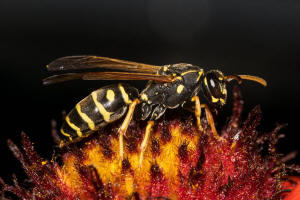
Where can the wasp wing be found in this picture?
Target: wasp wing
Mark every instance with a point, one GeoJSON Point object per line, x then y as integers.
{"type": "Point", "coordinates": [89, 61]}
{"type": "Point", "coordinates": [106, 76]}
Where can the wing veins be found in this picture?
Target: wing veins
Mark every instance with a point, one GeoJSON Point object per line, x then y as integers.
{"type": "Point", "coordinates": [90, 62]}
{"type": "Point", "coordinates": [106, 76]}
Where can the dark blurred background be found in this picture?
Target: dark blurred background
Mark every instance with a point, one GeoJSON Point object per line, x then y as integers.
{"type": "Point", "coordinates": [237, 37]}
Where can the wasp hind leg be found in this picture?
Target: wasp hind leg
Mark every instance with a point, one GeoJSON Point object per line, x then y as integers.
{"type": "Point", "coordinates": [122, 130]}
{"type": "Point", "coordinates": [209, 116]}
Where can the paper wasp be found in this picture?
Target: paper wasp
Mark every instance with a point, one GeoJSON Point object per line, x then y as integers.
{"type": "Point", "coordinates": [169, 86]}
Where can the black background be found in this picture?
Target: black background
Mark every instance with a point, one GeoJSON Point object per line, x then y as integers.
{"type": "Point", "coordinates": [258, 37]}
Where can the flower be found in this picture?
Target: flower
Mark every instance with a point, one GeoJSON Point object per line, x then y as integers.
{"type": "Point", "coordinates": [180, 162]}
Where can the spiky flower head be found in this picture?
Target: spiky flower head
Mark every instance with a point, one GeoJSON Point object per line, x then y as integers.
{"type": "Point", "coordinates": [180, 162]}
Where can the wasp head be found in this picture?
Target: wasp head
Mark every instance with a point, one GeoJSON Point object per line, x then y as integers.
{"type": "Point", "coordinates": [214, 88]}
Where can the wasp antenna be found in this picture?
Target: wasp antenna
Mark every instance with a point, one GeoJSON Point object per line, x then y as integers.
{"type": "Point", "coordinates": [254, 78]}
{"type": "Point", "coordinates": [233, 77]}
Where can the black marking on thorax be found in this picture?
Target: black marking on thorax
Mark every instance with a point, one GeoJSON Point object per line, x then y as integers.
{"type": "Point", "coordinates": [173, 94]}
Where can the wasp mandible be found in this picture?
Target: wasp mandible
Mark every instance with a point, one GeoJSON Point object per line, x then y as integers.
{"type": "Point", "coordinates": [168, 87]}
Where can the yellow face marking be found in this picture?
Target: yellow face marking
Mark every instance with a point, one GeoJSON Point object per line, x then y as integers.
{"type": "Point", "coordinates": [66, 134]}
{"type": "Point", "coordinates": [102, 110]}
{"type": "Point", "coordinates": [180, 88]}
{"type": "Point", "coordinates": [222, 101]}
{"type": "Point", "coordinates": [199, 75]}
{"type": "Point", "coordinates": [144, 97]}
{"type": "Point", "coordinates": [110, 95]}
{"type": "Point", "coordinates": [85, 118]}
{"type": "Point", "coordinates": [187, 72]}
{"type": "Point", "coordinates": [74, 127]}
{"type": "Point", "coordinates": [205, 81]}
{"type": "Point", "coordinates": [124, 94]}
{"type": "Point", "coordinates": [214, 100]}
{"type": "Point", "coordinates": [165, 69]}
{"type": "Point", "coordinates": [221, 78]}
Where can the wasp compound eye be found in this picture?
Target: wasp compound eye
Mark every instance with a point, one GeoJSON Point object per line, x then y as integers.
{"type": "Point", "coordinates": [215, 85]}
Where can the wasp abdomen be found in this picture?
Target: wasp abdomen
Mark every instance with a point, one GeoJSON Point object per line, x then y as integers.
{"type": "Point", "coordinates": [101, 107]}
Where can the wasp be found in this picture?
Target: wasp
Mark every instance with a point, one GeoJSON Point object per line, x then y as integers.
{"type": "Point", "coordinates": [168, 87]}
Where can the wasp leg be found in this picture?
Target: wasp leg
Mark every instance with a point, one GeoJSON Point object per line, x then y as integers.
{"type": "Point", "coordinates": [145, 140]}
{"type": "Point", "coordinates": [210, 120]}
{"type": "Point", "coordinates": [122, 130]}
{"type": "Point", "coordinates": [197, 111]}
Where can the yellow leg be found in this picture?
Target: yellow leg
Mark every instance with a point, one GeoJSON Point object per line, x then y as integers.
{"type": "Point", "coordinates": [122, 130]}
{"type": "Point", "coordinates": [210, 120]}
{"type": "Point", "coordinates": [145, 141]}
{"type": "Point", "coordinates": [197, 111]}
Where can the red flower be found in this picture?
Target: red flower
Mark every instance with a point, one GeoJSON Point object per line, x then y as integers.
{"type": "Point", "coordinates": [180, 163]}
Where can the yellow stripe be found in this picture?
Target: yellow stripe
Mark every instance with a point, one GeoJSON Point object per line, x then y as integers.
{"type": "Point", "coordinates": [177, 77]}
{"type": "Point", "coordinates": [205, 81]}
{"type": "Point", "coordinates": [124, 94]}
{"type": "Point", "coordinates": [200, 74]}
{"type": "Point", "coordinates": [102, 110]}
{"type": "Point", "coordinates": [74, 127]}
{"type": "Point", "coordinates": [66, 134]}
{"type": "Point", "coordinates": [187, 72]}
{"type": "Point", "coordinates": [85, 117]}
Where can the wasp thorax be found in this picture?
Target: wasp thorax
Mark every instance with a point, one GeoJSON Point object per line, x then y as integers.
{"type": "Point", "coordinates": [214, 87]}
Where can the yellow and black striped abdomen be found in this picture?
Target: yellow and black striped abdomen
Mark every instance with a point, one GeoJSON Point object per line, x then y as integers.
{"type": "Point", "coordinates": [101, 107]}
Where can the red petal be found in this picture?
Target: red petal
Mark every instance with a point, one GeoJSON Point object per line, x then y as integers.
{"type": "Point", "coordinates": [293, 185]}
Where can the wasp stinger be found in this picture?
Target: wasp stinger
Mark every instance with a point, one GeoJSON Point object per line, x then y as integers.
{"type": "Point", "coordinates": [169, 86]}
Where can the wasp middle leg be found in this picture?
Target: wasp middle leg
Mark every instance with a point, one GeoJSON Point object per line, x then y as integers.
{"type": "Point", "coordinates": [145, 141]}
{"type": "Point", "coordinates": [210, 120]}
{"type": "Point", "coordinates": [197, 111]}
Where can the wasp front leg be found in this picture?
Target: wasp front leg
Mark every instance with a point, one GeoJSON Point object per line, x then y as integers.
{"type": "Point", "coordinates": [122, 130]}
{"type": "Point", "coordinates": [209, 116]}
{"type": "Point", "coordinates": [210, 120]}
